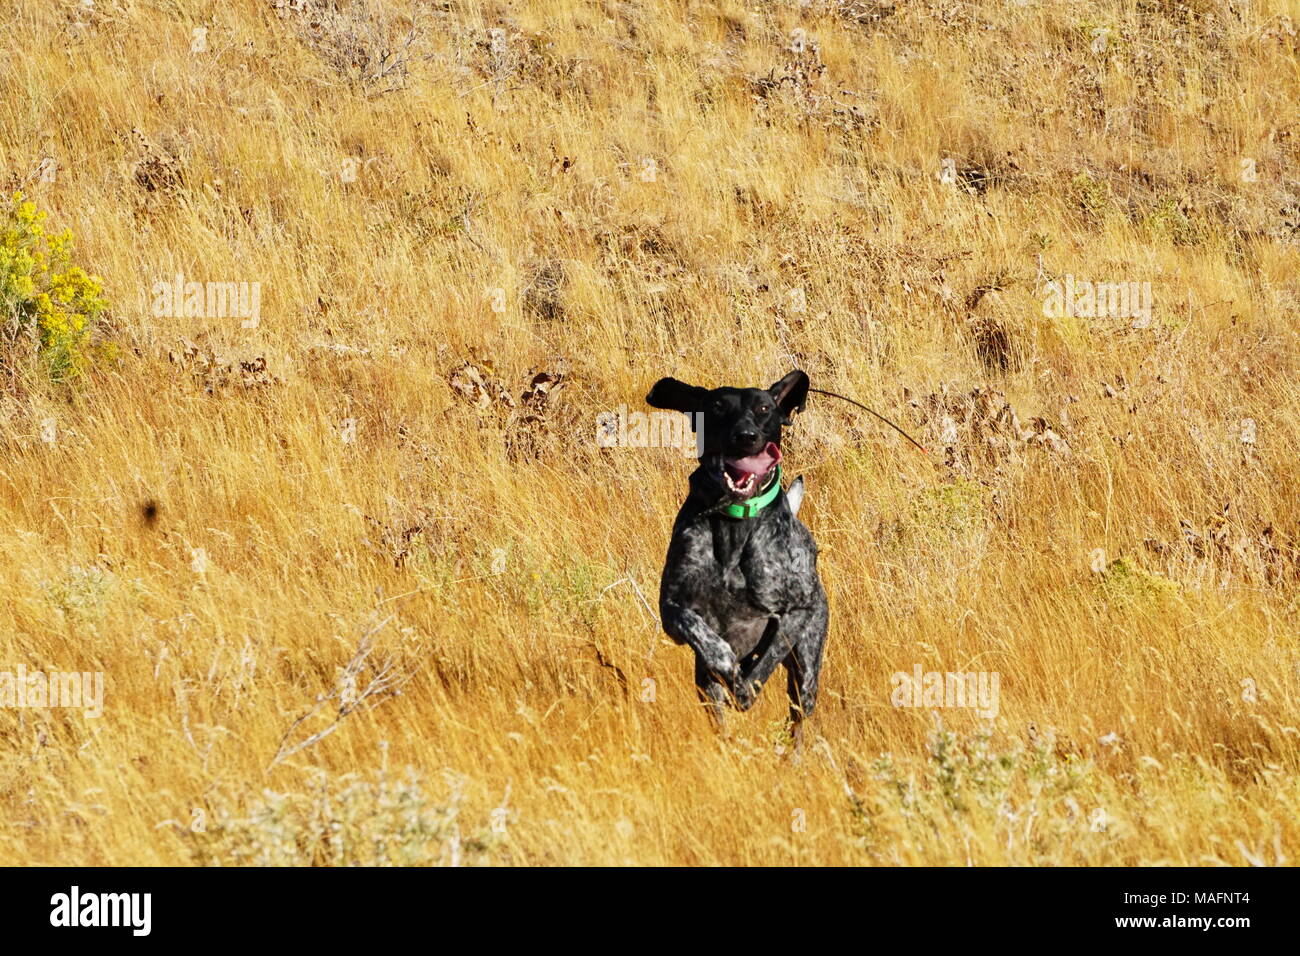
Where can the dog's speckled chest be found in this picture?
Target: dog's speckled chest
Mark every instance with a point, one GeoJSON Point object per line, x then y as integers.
{"type": "Point", "coordinates": [738, 574]}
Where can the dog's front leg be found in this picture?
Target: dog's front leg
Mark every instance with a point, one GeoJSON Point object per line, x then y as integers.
{"type": "Point", "coordinates": [686, 627]}
{"type": "Point", "coordinates": [716, 668]}
{"type": "Point", "coordinates": [773, 648]}
{"type": "Point", "coordinates": [713, 693]}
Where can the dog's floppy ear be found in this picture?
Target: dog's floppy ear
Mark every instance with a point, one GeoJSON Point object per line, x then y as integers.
{"type": "Point", "coordinates": [790, 393]}
{"type": "Point", "coordinates": [675, 395]}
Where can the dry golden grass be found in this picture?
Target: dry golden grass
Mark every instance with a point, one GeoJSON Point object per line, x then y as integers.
{"type": "Point", "coordinates": [719, 164]}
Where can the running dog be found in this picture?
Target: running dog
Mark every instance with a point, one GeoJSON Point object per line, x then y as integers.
{"type": "Point", "coordinates": [740, 584]}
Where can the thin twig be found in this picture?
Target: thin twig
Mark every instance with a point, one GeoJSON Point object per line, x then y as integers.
{"type": "Point", "coordinates": [385, 683]}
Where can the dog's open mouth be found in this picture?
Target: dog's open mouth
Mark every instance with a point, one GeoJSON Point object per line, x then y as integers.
{"type": "Point", "coordinates": [745, 476]}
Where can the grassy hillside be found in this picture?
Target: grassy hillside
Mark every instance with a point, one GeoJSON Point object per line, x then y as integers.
{"type": "Point", "coordinates": [376, 509]}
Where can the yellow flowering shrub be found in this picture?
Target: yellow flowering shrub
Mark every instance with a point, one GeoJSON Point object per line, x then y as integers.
{"type": "Point", "coordinates": [43, 294]}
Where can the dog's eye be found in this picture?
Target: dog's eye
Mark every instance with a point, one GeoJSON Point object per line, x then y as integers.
{"type": "Point", "coordinates": [764, 409]}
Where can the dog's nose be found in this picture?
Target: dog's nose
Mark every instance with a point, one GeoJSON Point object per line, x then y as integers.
{"type": "Point", "coordinates": [745, 436]}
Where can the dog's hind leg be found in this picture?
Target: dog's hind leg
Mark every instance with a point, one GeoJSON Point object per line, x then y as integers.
{"type": "Point", "coordinates": [803, 671]}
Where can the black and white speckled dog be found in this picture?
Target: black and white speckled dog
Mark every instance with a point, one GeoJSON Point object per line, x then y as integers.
{"type": "Point", "coordinates": [740, 584]}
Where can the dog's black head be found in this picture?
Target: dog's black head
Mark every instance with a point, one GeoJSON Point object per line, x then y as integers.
{"type": "Point", "coordinates": [741, 427]}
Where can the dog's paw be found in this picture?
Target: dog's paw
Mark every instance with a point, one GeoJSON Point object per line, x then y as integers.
{"type": "Point", "coordinates": [746, 692]}
{"type": "Point", "coordinates": [723, 662]}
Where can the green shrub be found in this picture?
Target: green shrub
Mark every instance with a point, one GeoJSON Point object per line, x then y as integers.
{"type": "Point", "coordinates": [950, 512]}
{"type": "Point", "coordinates": [42, 294]}
{"type": "Point", "coordinates": [1091, 197]}
{"type": "Point", "coordinates": [1125, 582]}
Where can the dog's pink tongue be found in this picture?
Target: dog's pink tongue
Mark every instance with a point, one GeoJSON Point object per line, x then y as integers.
{"type": "Point", "coordinates": [759, 464]}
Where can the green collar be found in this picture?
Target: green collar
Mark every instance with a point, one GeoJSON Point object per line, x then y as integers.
{"type": "Point", "coordinates": [754, 505]}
